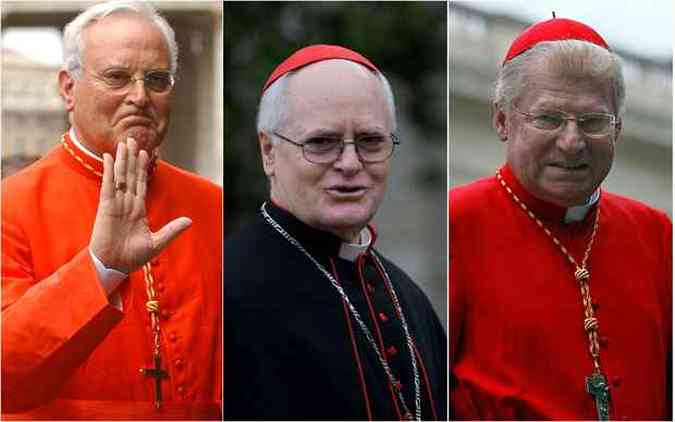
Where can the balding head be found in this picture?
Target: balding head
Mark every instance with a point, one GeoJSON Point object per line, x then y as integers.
{"type": "Point", "coordinates": [274, 102]}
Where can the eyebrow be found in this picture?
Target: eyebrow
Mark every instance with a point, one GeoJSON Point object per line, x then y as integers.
{"type": "Point", "coordinates": [322, 132]}
{"type": "Point", "coordinates": [547, 107]}
{"type": "Point", "coordinates": [339, 134]}
{"type": "Point", "coordinates": [126, 69]}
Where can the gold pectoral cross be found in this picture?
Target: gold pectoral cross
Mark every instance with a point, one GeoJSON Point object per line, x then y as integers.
{"type": "Point", "coordinates": [158, 374]}
{"type": "Point", "coordinates": [596, 386]}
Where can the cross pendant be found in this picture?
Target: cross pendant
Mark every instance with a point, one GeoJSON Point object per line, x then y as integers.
{"type": "Point", "coordinates": [596, 386]}
{"type": "Point", "coordinates": [158, 374]}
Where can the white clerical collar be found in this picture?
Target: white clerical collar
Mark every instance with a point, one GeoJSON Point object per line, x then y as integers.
{"type": "Point", "coordinates": [577, 213]}
{"type": "Point", "coordinates": [351, 251]}
{"type": "Point", "coordinates": [78, 144]}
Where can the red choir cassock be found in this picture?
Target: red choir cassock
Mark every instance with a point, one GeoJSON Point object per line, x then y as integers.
{"type": "Point", "coordinates": [67, 352]}
{"type": "Point", "coordinates": [518, 349]}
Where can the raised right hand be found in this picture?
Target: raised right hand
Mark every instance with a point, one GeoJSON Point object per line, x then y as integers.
{"type": "Point", "coordinates": [121, 237]}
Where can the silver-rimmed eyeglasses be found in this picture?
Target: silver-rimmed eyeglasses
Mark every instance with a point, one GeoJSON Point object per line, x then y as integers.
{"type": "Point", "coordinates": [325, 149]}
{"type": "Point", "coordinates": [593, 125]}
{"type": "Point", "coordinates": [121, 80]}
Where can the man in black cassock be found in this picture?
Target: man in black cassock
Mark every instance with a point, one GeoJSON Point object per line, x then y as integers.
{"type": "Point", "coordinates": [318, 324]}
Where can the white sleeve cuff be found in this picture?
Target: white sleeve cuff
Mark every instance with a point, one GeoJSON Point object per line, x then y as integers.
{"type": "Point", "coordinates": [109, 278]}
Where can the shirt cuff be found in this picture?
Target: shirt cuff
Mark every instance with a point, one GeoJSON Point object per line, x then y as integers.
{"type": "Point", "coordinates": [109, 278]}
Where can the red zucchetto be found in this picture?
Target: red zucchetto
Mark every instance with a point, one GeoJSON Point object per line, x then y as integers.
{"type": "Point", "coordinates": [553, 30]}
{"type": "Point", "coordinates": [313, 54]}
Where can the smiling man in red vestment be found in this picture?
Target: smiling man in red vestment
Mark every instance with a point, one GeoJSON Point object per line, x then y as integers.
{"type": "Point", "coordinates": [560, 292]}
{"type": "Point", "coordinates": [111, 258]}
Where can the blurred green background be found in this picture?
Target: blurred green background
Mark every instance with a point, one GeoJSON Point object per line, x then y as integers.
{"type": "Point", "coordinates": [407, 41]}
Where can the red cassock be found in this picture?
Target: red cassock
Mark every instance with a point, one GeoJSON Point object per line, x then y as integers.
{"type": "Point", "coordinates": [67, 352]}
{"type": "Point", "coordinates": [518, 349]}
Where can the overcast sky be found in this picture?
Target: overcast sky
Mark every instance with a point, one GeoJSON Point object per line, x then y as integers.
{"type": "Point", "coordinates": [643, 27]}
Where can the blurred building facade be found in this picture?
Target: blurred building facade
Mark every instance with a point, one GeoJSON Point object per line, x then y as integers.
{"type": "Point", "coordinates": [33, 117]}
{"type": "Point", "coordinates": [32, 111]}
{"type": "Point", "coordinates": [478, 42]}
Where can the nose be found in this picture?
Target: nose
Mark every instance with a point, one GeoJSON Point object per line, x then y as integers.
{"type": "Point", "coordinates": [571, 139]}
{"type": "Point", "coordinates": [137, 94]}
{"type": "Point", "coordinates": [349, 161]}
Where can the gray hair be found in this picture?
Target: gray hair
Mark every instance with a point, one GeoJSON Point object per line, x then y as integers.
{"type": "Point", "coordinates": [272, 108]}
{"type": "Point", "coordinates": [569, 59]}
{"type": "Point", "coordinates": [73, 44]}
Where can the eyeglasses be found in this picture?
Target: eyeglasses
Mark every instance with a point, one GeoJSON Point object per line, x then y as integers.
{"type": "Point", "coordinates": [328, 149]}
{"type": "Point", "coordinates": [593, 125]}
{"type": "Point", "coordinates": [120, 80]}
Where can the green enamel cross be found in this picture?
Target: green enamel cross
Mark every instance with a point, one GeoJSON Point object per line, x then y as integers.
{"type": "Point", "coordinates": [596, 386]}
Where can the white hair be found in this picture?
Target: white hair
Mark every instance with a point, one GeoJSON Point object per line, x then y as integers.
{"type": "Point", "coordinates": [273, 104]}
{"type": "Point", "coordinates": [569, 59]}
{"type": "Point", "coordinates": [73, 44]}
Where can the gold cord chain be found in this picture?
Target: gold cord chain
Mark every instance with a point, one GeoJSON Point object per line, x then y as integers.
{"type": "Point", "coordinates": [581, 274]}
{"type": "Point", "coordinates": [152, 306]}
{"type": "Point", "coordinates": [78, 158]}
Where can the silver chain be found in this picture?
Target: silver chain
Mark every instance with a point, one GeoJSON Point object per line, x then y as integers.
{"type": "Point", "coordinates": [357, 317]}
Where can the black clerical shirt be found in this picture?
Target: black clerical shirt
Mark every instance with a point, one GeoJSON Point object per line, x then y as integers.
{"type": "Point", "coordinates": [292, 349]}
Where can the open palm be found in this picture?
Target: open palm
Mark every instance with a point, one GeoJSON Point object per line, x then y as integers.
{"type": "Point", "coordinates": [121, 237]}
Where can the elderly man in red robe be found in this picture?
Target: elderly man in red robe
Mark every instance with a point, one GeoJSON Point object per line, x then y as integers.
{"type": "Point", "coordinates": [111, 258]}
{"type": "Point", "coordinates": [560, 292]}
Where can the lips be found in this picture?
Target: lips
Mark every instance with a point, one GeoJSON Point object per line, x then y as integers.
{"type": "Point", "coordinates": [570, 166]}
{"type": "Point", "coordinates": [137, 119]}
{"type": "Point", "coordinates": [347, 191]}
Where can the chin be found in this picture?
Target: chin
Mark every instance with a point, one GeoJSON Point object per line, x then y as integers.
{"type": "Point", "coordinates": [566, 194]}
{"type": "Point", "coordinates": [346, 218]}
{"type": "Point", "coordinates": [567, 199]}
{"type": "Point", "coordinates": [147, 139]}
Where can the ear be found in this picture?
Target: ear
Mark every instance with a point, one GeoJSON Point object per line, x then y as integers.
{"type": "Point", "coordinates": [500, 122]}
{"type": "Point", "coordinates": [66, 87]}
{"type": "Point", "coordinates": [267, 153]}
{"type": "Point", "coordinates": [619, 127]}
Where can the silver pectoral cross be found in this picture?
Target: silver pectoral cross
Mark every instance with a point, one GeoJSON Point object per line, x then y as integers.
{"type": "Point", "coordinates": [596, 386]}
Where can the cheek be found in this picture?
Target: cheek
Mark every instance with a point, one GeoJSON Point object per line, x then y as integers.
{"type": "Point", "coordinates": [303, 179]}
{"type": "Point", "coordinates": [603, 157]}
{"type": "Point", "coordinates": [163, 107]}
{"type": "Point", "coordinates": [380, 175]}
{"type": "Point", "coordinates": [105, 108]}
{"type": "Point", "coordinates": [532, 150]}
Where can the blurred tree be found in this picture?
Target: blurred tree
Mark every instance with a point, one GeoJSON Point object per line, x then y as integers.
{"type": "Point", "coordinates": [406, 40]}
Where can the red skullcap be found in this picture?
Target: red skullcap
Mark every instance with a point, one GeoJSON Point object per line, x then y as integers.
{"type": "Point", "coordinates": [313, 54]}
{"type": "Point", "coordinates": [553, 30]}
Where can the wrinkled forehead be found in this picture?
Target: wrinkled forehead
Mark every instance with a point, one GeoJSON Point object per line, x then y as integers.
{"type": "Point", "coordinates": [549, 87]}
{"type": "Point", "coordinates": [119, 28]}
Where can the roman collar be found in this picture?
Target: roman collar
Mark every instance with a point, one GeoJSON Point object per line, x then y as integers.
{"type": "Point", "coordinates": [546, 210]}
{"type": "Point", "coordinates": [318, 242]}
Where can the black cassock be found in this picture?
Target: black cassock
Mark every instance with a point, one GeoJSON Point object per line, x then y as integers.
{"type": "Point", "coordinates": [293, 351]}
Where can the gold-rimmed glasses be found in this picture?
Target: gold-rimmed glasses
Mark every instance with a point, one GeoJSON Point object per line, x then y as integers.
{"type": "Point", "coordinates": [120, 80]}
{"type": "Point", "coordinates": [593, 125]}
